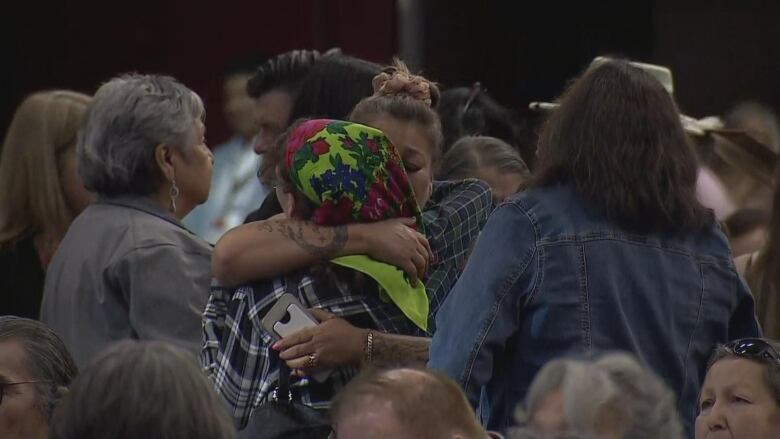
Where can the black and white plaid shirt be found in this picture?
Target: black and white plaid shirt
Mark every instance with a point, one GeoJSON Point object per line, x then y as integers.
{"type": "Point", "coordinates": [237, 352]}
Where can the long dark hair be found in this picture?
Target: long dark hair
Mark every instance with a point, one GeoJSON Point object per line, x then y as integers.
{"type": "Point", "coordinates": [617, 138]}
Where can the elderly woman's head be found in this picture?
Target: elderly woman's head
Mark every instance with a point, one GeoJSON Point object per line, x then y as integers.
{"type": "Point", "coordinates": [142, 390]}
{"type": "Point", "coordinates": [740, 398]}
{"type": "Point", "coordinates": [613, 397]}
{"type": "Point", "coordinates": [35, 369]}
{"type": "Point", "coordinates": [144, 135]}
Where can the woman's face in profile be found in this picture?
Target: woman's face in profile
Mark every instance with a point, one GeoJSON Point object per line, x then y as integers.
{"type": "Point", "coordinates": [415, 150]}
{"type": "Point", "coordinates": [736, 403]}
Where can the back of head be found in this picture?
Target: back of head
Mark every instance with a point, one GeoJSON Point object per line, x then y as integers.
{"type": "Point", "coordinates": [45, 124]}
{"type": "Point", "coordinates": [284, 71]}
{"type": "Point", "coordinates": [405, 97]}
{"type": "Point", "coordinates": [471, 112]}
{"type": "Point", "coordinates": [426, 404]}
{"type": "Point", "coordinates": [611, 395]}
{"type": "Point", "coordinates": [129, 117]}
{"type": "Point", "coordinates": [470, 153]}
{"type": "Point", "coordinates": [47, 359]}
{"type": "Point", "coordinates": [142, 390]}
{"type": "Point", "coordinates": [617, 138]}
{"type": "Point", "coordinates": [332, 87]}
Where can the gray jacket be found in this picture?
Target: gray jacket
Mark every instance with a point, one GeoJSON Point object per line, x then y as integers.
{"type": "Point", "coordinates": [127, 269]}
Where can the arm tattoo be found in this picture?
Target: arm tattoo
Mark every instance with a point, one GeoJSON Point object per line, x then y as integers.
{"type": "Point", "coordinates": [320, 242]}
{"type": "Point", "coordinates": [390, 350]}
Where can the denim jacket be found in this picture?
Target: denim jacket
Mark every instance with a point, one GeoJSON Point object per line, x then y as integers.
{"type": "Point", "coordinates": [549, 278]}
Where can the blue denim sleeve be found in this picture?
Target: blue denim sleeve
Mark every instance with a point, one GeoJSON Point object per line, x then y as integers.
{"type": "Point", "coordinates": [744, 323]}
{"type": "Point", "coordinates": [482, 311]}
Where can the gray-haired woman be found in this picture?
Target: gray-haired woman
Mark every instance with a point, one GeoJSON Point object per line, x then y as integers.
{"type": "Point", "coordinates": [127, 268]}
{"type": "Point", "coordinates": [613, 397]}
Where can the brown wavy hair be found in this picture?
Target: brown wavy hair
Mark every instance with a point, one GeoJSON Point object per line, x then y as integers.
{"type": "Point", "coordinates": [617, 138]}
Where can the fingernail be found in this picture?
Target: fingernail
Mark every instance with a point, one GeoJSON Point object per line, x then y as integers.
{"type": "Point", "coordinates": [275, 346]}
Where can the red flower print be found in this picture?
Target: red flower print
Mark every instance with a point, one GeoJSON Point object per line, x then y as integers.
{"type": "Point", "coordinates": [300, 135]}
{"type": "Point", "coordinates": [377, 205]}
{"type": "Point", "coordinates": [372, 145]}
{"type": "Point", "coordinates": [333, 214]}
{"type": "Point", "coordinates": [320, 147]}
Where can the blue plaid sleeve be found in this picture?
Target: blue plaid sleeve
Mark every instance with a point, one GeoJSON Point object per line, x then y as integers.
{"type": "Point", "coordinates": [455, 215]}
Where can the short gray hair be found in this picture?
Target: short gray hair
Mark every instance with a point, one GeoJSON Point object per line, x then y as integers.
{"type": "Point", "coordinates": [771, 373]}
{"type": "Point", "coordinates": [613, 384]}
{"type": "Point", "coordinates": [47, 358]}
{"type": "Point", "coordinates": [129, 116]}
{"type": "Point", "coordinates": [137, 389]}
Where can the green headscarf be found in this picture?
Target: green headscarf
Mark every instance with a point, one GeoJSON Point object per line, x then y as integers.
{"type": "Point", "coordinates": [352, 173]}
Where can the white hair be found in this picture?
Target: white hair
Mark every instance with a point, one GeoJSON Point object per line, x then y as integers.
{"type": "Point", "coordinates": [615, 389]}
{"type": "Point", "coordinates": [129, 117]}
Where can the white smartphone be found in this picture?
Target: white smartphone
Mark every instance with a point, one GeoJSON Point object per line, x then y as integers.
{"type": "Point", "coordinates": [287, 317]}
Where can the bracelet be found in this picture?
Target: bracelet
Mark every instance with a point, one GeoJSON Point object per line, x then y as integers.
{"type": "Point", "coordinates": [369, 346]}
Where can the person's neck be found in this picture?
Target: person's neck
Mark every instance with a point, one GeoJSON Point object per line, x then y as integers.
{"type": "Point", "coordinates": [163, 200]}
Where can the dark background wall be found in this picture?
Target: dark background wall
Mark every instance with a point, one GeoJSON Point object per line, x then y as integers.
{"type": "Point", "coordinates": [78, 44]}
{"type": "Point", "coordinates": [720, 51]}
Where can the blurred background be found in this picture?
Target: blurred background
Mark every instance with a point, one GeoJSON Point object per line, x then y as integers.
{"type": "Point", "coordinates": [720, 52]}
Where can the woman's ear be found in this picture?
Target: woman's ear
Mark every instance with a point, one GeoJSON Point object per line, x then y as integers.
{"type": "Point", "coordinates": [163, 157]}
{"type": "Point", "coordinates": [287, 201]}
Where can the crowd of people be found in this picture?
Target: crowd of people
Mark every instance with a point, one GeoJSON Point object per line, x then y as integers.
{"type": "Point", "coordinates": [370, 256]}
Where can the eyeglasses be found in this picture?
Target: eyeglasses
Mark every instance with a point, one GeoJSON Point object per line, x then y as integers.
{"type": "Point", "coordinates": [4, 385]}
{"type": "Point", "coordinates": [754, 348]}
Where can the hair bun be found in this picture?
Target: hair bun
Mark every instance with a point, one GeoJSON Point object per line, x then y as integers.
{"type": "Point", "coordinates": [396, 80]}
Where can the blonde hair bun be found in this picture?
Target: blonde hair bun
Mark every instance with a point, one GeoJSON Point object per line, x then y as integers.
{"type": "Point", "coordinates": [397, 81]}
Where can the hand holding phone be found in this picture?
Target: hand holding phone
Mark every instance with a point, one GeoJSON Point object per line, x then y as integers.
{"type": "Point", "coordinates": [287, 317]}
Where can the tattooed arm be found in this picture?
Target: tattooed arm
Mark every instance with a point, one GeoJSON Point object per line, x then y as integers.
{"type": "Point", "coordinates": [391, 350]}
{"type": "Point", "coordinates": [265, 249]}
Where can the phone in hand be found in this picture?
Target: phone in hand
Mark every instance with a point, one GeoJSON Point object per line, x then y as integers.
{"type": "Point", "coordinates": [286, 317]}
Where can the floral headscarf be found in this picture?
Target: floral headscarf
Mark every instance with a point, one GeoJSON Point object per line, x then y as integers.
{"type": "Point", "coordinates": [352, 173]}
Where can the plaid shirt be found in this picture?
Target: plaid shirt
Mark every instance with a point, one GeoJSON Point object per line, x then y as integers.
{"type": "Point", "coordinates": [237, 352]}
{"type": "Point", "coordinates": [455, 215]}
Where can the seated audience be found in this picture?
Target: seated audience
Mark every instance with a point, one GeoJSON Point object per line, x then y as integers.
{"type": "Point", "coordinates": [596, 256]}
{"type": "Point", "coordinates": [332, 173]}
{"type": "Point", "coordinates": [134, 390]}
{"type": "Point", "coordinates": [612, 397]}
{"type": "Point", "coordinates": [740, 398]}
{"type": "Point", "coordinates": [35, 371]}
{"type": "Point", "coordinates": [488, 159]}
{"type": "Point", "coordinates": [234, 190]}
{"type": "Point", "coordinates": [128, 268]}
{"type": "Point", "coordinates": [41, 193]}
{"type": "Point", "coordinates": [402, 404]}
